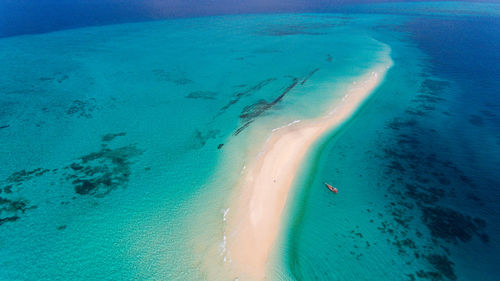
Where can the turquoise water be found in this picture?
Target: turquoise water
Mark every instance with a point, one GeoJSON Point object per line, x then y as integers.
{"type": "Point", "coordinates": [120, 146]}
{"type": "Point", "coordinates": [418, 190]}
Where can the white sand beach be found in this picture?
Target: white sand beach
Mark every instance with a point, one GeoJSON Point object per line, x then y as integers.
{"type": "Point", "coordinates": [257, 209]}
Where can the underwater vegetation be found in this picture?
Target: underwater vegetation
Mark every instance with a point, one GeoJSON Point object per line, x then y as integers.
{"type": "Point", "coordinates": [12, 209]}
{"type": "Point", "coordinates": [200, 139]}
{"type": "Point", "coordinates": [94, 174]}
{"type": "Point", "coordinates": [248, 92]}
{"type": "Point", "coordinates": [422, 180]}
{"type": "Point", "coordinates": [207, 95]}
{"type": "Point", "coordinates": [81, 108]}
{"type": "Point", "coordinates": [13, 206]}
{"type": "Point", "coordinates": [178, 78]}
{"type": "Point", "coordinates": [99, 173]}
{"type": "Point", "coordinates": [250, 112]}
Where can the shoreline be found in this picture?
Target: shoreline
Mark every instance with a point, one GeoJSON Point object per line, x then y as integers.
{"type": "Point", "coordinates": [256, 212]}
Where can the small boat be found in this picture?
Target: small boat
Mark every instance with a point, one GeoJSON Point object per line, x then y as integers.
{"type": "Point", "coordinates": [332, 189]}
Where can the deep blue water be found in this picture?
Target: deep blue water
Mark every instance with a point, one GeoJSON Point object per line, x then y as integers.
{"type": "Point", "coordinates": [465, 51]}
{"type": "Point", "coordinates": [28, 17]}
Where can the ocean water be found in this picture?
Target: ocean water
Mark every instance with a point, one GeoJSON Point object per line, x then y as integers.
{"type": "Point", "coordinates": [416, 169]}
{"type": "Point", "coordinates": [121, 145]}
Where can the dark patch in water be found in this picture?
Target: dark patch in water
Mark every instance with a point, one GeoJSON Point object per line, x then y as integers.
{"type": "Point", "coordinates": [241, 128]}
{"type": "Point", "coordinates": [4, 126]}
{"type": "Point", "coordinates": [250, 112]}
{"type": "Point", "coordinates": [101, 172]}
{"type": "Point", "coordinates": [109, 137]}
{"type": "Point", "coordinates": [23, 175]}
{"type": "Point", "coordinates": [421, 177]}
{"type": "Point", "coordinates": [476, 120]}
{"type": "Point", "coordinates": [12, 206]}
{"type": "Point", "coordinates": [329, 58]}
{"type": "Point", "coordinates": [430, 275]}
{"type": "Point", "coordinates": [430, 94]}
{"type": "Point", "coordinates": [254, 110]}
{"type": "Point", "coordinates": [297, 29]}
{"type": "Point", "coordinates": [176, 78]}
{"type": "Point", "coordinates": [81, 108]}
{"type": "Point", "coordinates": [207, 95]}
{"type": "Point", "coordinates": [10, 209]}
{"type": "Point", "coordinates": [182, 81]}
{"type": "Point", "coordinates": [309, 76]}
{"type": "Point", "coordinates": [443, 265]}
{"type": "Point", "coordinates": [246, 93]}
{"type": "Point", "coordinates": [201, 139]}
{"type": "Point", "coordinates": [59, 77]}
{"type": "Point", "coordinates": [220, 146]}
{"type": "Point", "coordinates": [451, 225]}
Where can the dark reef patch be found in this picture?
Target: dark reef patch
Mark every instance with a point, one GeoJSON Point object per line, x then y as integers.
{"type": "Point", "coordinates": [422, 179]}
{"type": "Point", "coordinates": [476, 120]}
{"type": "Point", "coordinates": [451, 225]}
{"type": "Point", "coordinates": [206, 95]}
{"type": "Point", "coordinates": [296, 29]}
{"type": "Point", "coordinates": [429, 275]}
{"type": "Point", "coordinates": [10, 209]}
{"type": "Point", "coordinates": [59, 77]}
{"type": "Point", "coordinates": [309, 76]}
{"type": "Point", "coordinates": [238, 95]}
{"type": "Point", "coordinates": [201, 139]}
{"type": "Point", "coordinates": [177, 78]}
{"type": "Point", "coordinates": [4, 126]}
{"type": "Point", "coordinates": [12, 205]}
{"type": "Point", "coordinates": [101, 172]}
{"type": "Point", "coordinates": [443, 265]}
{"type": "Point", "coordinates": [81, 108]}
{"type": "Point", "coordinates": [243, 127]}
{"type": "Point", "coordinates": [111, 136]}
{"type": "Point", "coordinates": [250, 112]}
{"type": "Point", "coordinates": [19, 177]}
{"type": "Point", "coordinates": [254, 110]}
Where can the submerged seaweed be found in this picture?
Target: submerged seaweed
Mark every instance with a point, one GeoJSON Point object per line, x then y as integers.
{"type": "Point", "coordinates": [81, 108]}
{"type": "Point", "coordinates": [101, 172]}
{"type": "Point", "coordinates": [250, 112]}
{"type": "Point", "coordinates": [200, 139]}
{"type": "Point", "coordinates": [451, 225]}
{"type": "Point", "coordinates": [10, 209]}
{"type": "Point", "coordinates": [23, 175]}
{"type": "Point", "coordinates": [109, 137]}
{"type": "Point", "coordinates": [423, 176]}
{"type": "Point", "coordinates": [177, 78]}
{"type": "Point", "coordinates": [207, 95]}
{"type": "Point", "coordinates": [240, 94]}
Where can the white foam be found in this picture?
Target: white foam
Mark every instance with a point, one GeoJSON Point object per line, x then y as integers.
{"type": "Point", "coordinates": [293, 122]}
{"type": "Point", "coordinates": [225, 214]}
{"type": "Point", "coordinates": [223, 245]}
{"type": "Point", "coordinates": [287, 125]}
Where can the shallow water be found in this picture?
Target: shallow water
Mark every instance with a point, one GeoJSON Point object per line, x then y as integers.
{"type": "Point", "coordinates": [120, 147]}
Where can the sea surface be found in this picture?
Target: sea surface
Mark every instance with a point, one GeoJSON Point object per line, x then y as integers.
{"type": "Point", "coordinates": [121, 145]}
